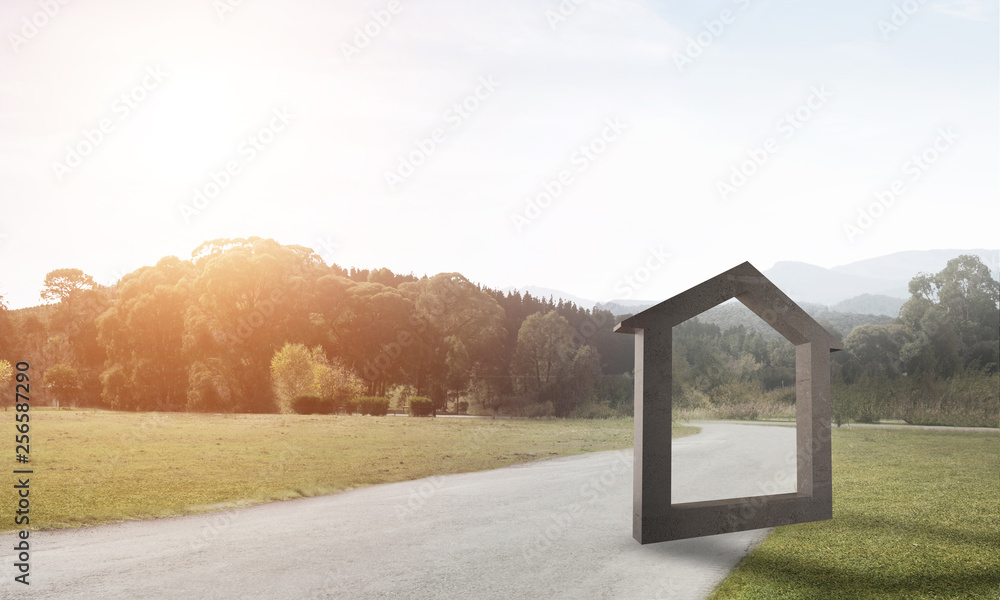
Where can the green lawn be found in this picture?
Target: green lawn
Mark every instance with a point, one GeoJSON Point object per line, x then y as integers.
{"type": "Point", "coordinates": [916, 515]}
{"type": "Point", "coordinates": [100, 466]}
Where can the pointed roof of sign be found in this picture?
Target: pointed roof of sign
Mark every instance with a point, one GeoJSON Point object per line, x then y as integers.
{"type": "Point", "coordinates": [750, 287]}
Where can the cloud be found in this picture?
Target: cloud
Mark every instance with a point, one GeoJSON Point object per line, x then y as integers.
{"type": "Point", "coordinates": [972, 10]}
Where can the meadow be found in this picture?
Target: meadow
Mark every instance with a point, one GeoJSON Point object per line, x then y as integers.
{"type": "Point", "coordinates": [916, 516]}
{"type": "Point", "coordinates": [95, 466]}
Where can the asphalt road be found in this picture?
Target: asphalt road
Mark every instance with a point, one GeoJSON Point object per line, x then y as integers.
{"type": "Point", "coordinates": [557, 528]}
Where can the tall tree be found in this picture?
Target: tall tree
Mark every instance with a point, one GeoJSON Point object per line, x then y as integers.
{"type": "Point", "coordinates": [544, 352]}
{"type": "Point", "coordinates": [142, 334]}
{"type": "Point", "coordinates": [72, 326]}
{"type": "Point", "coordinates": [251, 297]}
{"type": "Point", "coordinates": [459, 329]}
{"type": "Point", "coordinates": [935, 340]}
{"type": "Point", "coordinates": [877, 350]}
{"type": "Point", "coordinates": [8, 339]}
{"type": "Point", "coordinates": [954, 318]}
{"type": "Point", "coordinates": [63, 284]}
{"type": "Point", "coordinates": [63, 381]}
{"type": "Point", "coordinates": [6, 379]}
{"type": "Point", "coordinates": [369, 327]}
{"type": "Point", "coordinates": [548, 367]}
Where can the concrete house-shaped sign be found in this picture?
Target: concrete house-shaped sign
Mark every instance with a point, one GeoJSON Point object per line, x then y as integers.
{"type": "Point", "coordinates": [654, 517]}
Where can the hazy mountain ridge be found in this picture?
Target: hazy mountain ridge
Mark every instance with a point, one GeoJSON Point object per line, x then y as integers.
{"type": "Point", "coordinates": [618, 307]}
{"type": "Point", "coordinates": [871, 304]}
{"type": "Point", "coordinates": [906, 264]}
{"type": "Point", "coordinates": [888, 275]}
{"type": "Point", "coordinates": [734, 314]}
{"type": "Point", "coordinates": [871, 287]}
{"type": "Point", "coordinates": [804, 282]}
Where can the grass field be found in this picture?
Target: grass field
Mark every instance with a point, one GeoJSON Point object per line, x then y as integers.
{"type": "Point", "coordinates": [916, 515]}
{"type": "Point", "coordinates": [99, 466]}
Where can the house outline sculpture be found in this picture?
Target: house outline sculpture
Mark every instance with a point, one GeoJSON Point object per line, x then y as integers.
{"type": "Point", "coordinates": [655, 518]}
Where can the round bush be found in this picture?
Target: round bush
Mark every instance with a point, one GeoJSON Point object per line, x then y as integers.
{"type": "Point", "coordinates": [421, 407]}
{"type": "Point", "coordinates": [373, 405]}
{"type": "Point", "coordinates": [308, 405]}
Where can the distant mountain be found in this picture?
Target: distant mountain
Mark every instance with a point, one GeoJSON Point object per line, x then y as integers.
{"type": "Point", "coordinates": [870, 304]}
{"type": "Point", "coordinates": [626, 307]}
{"type": "Point", "coordinates": [808, 283]}
{"type": "Point", "coordinates": [734, 314]}
{"type": "Point", "coordinates": [872, 287]}
{"type": "Point", "coordinates": [904, 265]}
{"type": "Point", "coordinates": [882, 276]}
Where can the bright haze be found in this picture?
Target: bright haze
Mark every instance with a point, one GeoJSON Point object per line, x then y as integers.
{"type": "Point", "coordinates": [518, 142]}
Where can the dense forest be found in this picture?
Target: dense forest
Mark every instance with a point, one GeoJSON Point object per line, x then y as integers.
{"type": "Point", "coordinates": [245, 323]}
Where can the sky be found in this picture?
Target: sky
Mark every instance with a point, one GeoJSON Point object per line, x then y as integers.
{"type": "Point", "coordinates": [571, 144]}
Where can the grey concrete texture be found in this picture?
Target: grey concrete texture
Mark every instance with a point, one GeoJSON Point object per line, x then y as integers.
{"type": "Point", "coordinates": [655, 517]}
{"type": "Point", "coordinates": [554, 529]}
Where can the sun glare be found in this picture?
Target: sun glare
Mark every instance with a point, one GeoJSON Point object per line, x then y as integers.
{"type": "Point", "coordinates": [188, 128]}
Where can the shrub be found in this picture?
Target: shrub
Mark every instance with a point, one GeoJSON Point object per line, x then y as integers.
{"type": "Point", "coordinates": [350, 406]}
{"type": "Point", "coordinates": [334, 380]}
{"type": "Point", "coordinates": [515, 405]}
{"type": "Point", "coordinates": [291, 375]}
{"type": "Point", "coordinates": [692, 398]}
{"type": "Point", "coordinates": [781, 395]}
{"type": "Point", "coordinates": [421, 407]}
{"type": "Point", "coordinates": [373, 405]}
{"type": "Point", "coordinates": [329, 406]}
{"type": "Point", "coordinates": [873, 399]}
{"type": "Point", "coordinates": [62, 380]}
{"type": "Point", "coordinates": [594, 410]}
{"type": "Point", "coordinates": [309, 405]}
{"type": "Point", "coordinates": [535, 410]}
{"type": "Point", "coordinates": [736, 392]}
{"type": "Point", "coordinates": [841, 405]}
{"type": "Point", "coordinates": [462, 407]}
{"type": "Point", "coordinates": [965, 399]}
{"type": "Point", "coordinates": [399, 394]}
{"type": "Point", "coordinates": [744, 411]}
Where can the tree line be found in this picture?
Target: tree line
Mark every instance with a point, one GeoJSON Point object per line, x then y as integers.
{"type": "Point", "coordinates": [201, 334]}
{"type": "Point", "coordinates": [935, 363]}
{"type": "Point", "coordinates": [204, 334]}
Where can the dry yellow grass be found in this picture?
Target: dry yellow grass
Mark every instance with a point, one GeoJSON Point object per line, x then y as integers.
{"type": "Point", "coordinates": [102, 466]}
